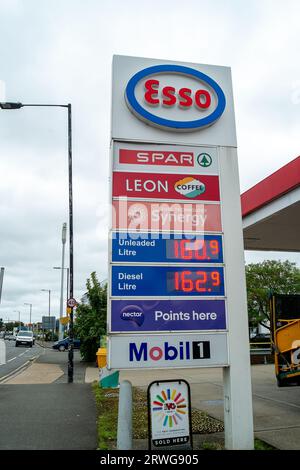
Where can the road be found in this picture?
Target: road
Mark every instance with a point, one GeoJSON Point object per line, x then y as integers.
{"type": "Point", "coordinates": [17, 357]}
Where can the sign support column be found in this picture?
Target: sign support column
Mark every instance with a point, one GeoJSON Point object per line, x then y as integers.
{"type": "Point", "coordinates": [238, 414]}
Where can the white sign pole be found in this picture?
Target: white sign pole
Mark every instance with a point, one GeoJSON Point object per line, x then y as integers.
{"type": "Point", "coordinates": [238, 414]}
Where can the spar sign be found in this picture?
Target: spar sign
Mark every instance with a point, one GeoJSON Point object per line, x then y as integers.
{"type": "Point", "coordinates": [199, 96]}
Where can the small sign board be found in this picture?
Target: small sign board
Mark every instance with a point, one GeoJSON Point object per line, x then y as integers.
{"type": "Point", "coordinates": [169, 415]}
{"type": "Point", "coordinates": [48, 323]}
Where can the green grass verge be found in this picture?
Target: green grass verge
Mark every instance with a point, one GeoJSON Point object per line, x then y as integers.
{"type": "Point", "coordinates": [107, 401]}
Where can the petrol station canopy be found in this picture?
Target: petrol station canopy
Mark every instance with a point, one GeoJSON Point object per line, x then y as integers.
{"type": "Point", "coordinates": [271, 211]}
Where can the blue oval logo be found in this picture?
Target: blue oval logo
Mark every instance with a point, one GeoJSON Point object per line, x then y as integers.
{"type": "Point", "coordinates": [171, 124]}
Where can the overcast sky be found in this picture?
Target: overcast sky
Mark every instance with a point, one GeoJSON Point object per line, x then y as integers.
{"type": "Point", "coordinates": [60, 51]}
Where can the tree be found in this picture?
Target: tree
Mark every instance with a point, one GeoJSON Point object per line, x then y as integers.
{"type": "Point", "coordinates": [90, 321]}
{"type": "Point", "coordinates": [263, 279]}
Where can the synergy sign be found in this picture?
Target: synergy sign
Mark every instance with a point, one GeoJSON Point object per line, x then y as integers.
{"type": "Point", "coordinates": [166, 216]}
{"type": "Point", "coordinates": [198, 93]}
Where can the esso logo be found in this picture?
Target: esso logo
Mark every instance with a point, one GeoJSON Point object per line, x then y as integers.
{"type": "Point", "coordinates": [202, 98]}
{"type": "Point", "coordinates": [174, 97]}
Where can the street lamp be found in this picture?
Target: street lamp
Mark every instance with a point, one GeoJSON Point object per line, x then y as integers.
{"type": "Point", "coordinates": [49, 293]}
{"type": "Point", "coordinates": [63, 239]}
{"type": "Point", "coordinates": [30, 311]}
{"type": "Point", "coordinates": [9, 106]}
{"type": "Point", "coordinates": [18, 311]}
{"type": "Point", "coordinates": [61, 294]}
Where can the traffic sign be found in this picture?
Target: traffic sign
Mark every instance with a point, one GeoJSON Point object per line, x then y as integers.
{"type": "Point", "coordinates": [71, 303]}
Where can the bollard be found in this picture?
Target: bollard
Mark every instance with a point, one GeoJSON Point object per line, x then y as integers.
{"type": "Point", "coordinates": [2, 352]}
{"type": "Point", "coordinates": [124, 437]}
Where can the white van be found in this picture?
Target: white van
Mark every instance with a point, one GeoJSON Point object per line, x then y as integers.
{"type": "Point", "coordinates": [25, 337]}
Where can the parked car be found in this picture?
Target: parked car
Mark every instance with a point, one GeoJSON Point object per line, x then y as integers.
{"type": "Point", "coordinates": [9, 336]}
{"type": "Point", "coordinates": [25, 337]}
{"type": "Point", "coordinates": [63, 344]}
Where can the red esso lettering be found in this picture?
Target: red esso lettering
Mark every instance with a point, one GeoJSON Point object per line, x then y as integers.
{"type": "Point", "coordinates": [169, 96]}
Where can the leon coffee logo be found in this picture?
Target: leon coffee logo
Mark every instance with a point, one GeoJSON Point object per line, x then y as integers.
{"type": "Point", "coordinates": [189, 187]}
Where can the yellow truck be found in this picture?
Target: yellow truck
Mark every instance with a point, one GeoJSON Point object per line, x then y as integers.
{"type": "Point", "coordinates": [285, 336]}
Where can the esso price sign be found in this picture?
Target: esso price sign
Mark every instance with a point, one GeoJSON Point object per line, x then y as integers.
{"type": "Point", "coordinates": [175, 97]}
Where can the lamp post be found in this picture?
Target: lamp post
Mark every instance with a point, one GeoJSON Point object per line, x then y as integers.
{"type": "Point", "coordinates": [30, 311]}
{"type": "Point", "coordinates": [49, 302]}
{"type": "Point", "coordinates": [10, 106]}
{"type": "Point", "coordinates": [63, 238]}
{"type": "Point", "coordinates": [18, 311]}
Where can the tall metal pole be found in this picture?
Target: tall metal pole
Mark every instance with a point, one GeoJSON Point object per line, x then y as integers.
{"type": "Point", "coordinates": [1, 282]}
{"type": "Point", "coordinates": [71, 331]}
{"type": "Point", "coordinates": [64, 237]}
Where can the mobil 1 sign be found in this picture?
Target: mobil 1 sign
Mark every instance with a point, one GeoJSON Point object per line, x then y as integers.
{"type": "Point", "coordinates": [168, 350]}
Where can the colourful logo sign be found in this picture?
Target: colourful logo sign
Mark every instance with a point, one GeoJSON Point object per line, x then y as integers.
{"type": "Point", "coordinates": [189, 187]}
{"type": "Point", "coordinates": [199, 93]}
{"type": "Point", "coordinates": [169, 406]}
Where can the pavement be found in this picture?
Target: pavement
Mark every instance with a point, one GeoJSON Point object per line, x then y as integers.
{"type": "Point", "coordinates": [40, 411]}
